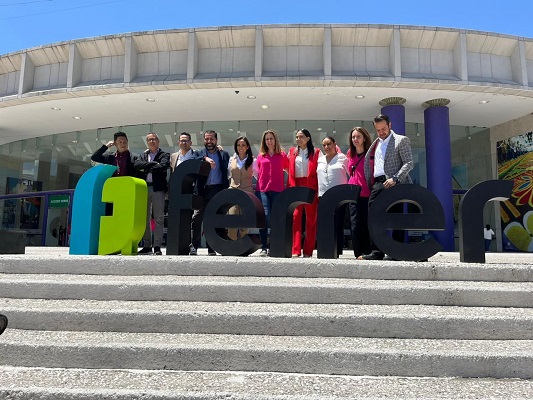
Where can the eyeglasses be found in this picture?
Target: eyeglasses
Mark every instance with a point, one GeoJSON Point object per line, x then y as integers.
{"type": "Point", "coordinates": [152, 140]}
{"type": "Point", "coordinates": [184, 141]}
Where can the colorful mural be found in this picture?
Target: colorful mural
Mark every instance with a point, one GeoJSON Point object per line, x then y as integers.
{"type": "Point", "coordinates": [515, 162]}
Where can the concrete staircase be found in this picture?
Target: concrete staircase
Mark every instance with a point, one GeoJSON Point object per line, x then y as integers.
{"type": "Point", "coordinates": [254, 328]}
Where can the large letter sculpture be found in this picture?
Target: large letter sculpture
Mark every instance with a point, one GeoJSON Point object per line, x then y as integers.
{"type": "Point", "coordinates": [87, 208]}
{"type": "Point", "coordinates": [122, 231]}
{"type": "Point", "coordinates": [329, 218]}
{"type": "Point", "coordinates": [281, 219]}
{"type": "Point", "coordinates": [431, 217]}
{"type": "Point", "coordinates": [471, 243]}
{"type": "Point", "coordinates": [216, 220]}
{"type": "Point", "coordinates": [181, 204]}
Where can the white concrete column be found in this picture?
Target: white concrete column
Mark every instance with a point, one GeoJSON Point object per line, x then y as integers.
{"type": "Point", "coordinates": [192, 57]}
{"type": "Point", "coordinates": [460, 61]}
{"type": "Point", "coordinates": [327, 53]}
{"type": "Point", "coordinates": [27, 74]}
{"type": "Point", "coordinates": [395, 54]}
{"type": "Point", "coordinates": [130, 60]}
{"type": "Point", "coordinates": [519, 64]}
{"type": "Point", "coordinates": [258, 54]}
{"type": "Point", "coordinates": [75, 63]}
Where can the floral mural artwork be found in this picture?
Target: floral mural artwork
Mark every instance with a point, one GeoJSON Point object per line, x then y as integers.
{"type": "Point", "coordinates": [515, 162]}
{"type": "Point", "coordinates": [523, 189]}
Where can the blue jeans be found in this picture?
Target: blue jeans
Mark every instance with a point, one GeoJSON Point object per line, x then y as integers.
{"type": "Point", "coordinates": [267, 199]}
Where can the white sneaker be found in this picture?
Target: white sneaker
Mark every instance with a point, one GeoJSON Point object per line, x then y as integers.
{"type": "Point", "coordinates": [263, 253]}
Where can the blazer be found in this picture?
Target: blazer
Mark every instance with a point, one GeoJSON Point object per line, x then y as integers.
{"type": "Point", "coordinates": [174, 157]}
{"type": "Point", "coordinates": [102, 156]}
{"type": "Point", "coordinates": [398, 159]}
{"type": "Point", "coordinates": [158, 167]}
{"type": "Point", "coordinates": [311, 169]}
{"type": "Point", "coordinates": [224, 161]}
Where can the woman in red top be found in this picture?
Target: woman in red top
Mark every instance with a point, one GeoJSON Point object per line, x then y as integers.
{"type": "Point", "coordinates": [360, 142]}
{"type": "Point", "coordinates": [302, 172]}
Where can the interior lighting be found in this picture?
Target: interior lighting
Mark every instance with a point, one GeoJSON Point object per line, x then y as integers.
{"type": "Point", "coordinates": [150, 100]}
{"type": "Point", "coordinates": [264, 106]}
{"type": "Point", "coordinates": [56, 108]}
{"type": "Point", "coordinates": [483, 102]}
{"type": "Point", "coordinates": [359, 97]}
{"type": "Point", "coordinates": [76, 117]}
{"type": "Point", "coordinates": [251, 97]}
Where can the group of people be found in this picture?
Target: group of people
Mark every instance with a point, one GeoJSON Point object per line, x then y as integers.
{"type": "Point", "coordinates": [373, 165]}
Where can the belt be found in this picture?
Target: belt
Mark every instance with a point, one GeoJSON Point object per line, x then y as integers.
{"type": "Point", "coordinates": [381, 178]}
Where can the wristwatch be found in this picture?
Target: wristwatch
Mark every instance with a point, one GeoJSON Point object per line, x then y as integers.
{"type": "Point", "coordinates": [395, 179]}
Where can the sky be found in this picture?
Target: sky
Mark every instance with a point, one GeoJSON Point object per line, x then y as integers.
{"type": "Point", "coordinates": [30, 23]}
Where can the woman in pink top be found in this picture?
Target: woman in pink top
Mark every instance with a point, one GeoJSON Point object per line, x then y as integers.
{"type": "Point", "coordinates": [360, 142]}
{"type": "Point", "coordinates": [271, 163]}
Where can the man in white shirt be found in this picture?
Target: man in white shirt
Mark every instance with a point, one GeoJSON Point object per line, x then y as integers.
{"type": "Point", "coordinates": [388, 162]}
{"type": "Point", "coordinates": [488, 233]}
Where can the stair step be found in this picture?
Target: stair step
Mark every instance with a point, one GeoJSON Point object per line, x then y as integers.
{"type": "Point", "coordinates": [256, 266]}
{"type": "Point", "coordinates": [289, 354]}
{"type": "Point", "coordinates": [268, 289]}
{"type": "Point", "coordinates": [393, 321]}
{"type": "Point", "coordinates": [23, 383]}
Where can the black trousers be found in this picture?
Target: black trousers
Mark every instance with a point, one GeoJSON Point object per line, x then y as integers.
{"type": "Point", "coordinates": [198, 215]}
{"type": "Point", "coordinates": [359, 226]}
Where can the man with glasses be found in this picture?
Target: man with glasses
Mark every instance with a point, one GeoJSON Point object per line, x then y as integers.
{"type": "Point", "coordinates": [185, 153]}
{"type": "Point", "coordinates": [153, 164]}
{"type": "Point", "coordinates": [210, 186]}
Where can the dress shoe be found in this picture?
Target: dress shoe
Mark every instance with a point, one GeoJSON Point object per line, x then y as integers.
{"type": "Point", "coordinates": [145, 250]}
{"type": "Point", "coordinates": [375, 255]}
{"type": "Point", "coordinates": [157, 251]}
{"type": "Point", "coordinates": [389, 258]}
{"type": "Point", "coordinates": [3, 323]}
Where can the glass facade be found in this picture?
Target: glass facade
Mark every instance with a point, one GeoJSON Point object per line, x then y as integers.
{"type": "Point", "coordinates": [57, 162]}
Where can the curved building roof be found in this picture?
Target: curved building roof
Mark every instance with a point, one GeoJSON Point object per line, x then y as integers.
{"type": "Point", "coordinates": [302, 72]}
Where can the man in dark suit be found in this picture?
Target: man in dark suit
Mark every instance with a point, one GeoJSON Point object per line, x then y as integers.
{"type": "Point", "coordinates": [210, 186]}
{"type": "Point", "coordinates": [387, 163]}
{"type": "Point", "coordinates": [122, 158]}
{"type": "Point", "coordinates": [152, 165]}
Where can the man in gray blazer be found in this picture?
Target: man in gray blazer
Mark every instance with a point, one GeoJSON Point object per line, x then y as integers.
{"type": "Point", "coordinates": [387, 163]}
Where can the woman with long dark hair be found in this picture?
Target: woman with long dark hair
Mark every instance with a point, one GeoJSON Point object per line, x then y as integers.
{"type": "Point", "coordinates": [303, 160]}
{"type": "Point", "coordinates": [240, 173]}
{"type": "Point", "coordinates": [360, 142]}
{"type": "Point", "coordinates": [271, 163]}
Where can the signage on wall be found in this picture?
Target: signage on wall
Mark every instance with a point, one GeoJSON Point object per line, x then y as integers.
{"type": "Point", "coordinates": [59, 201]}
